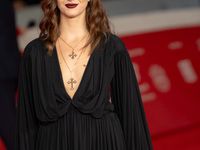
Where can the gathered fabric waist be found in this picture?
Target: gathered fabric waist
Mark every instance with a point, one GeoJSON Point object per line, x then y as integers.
{"type": "Point", "coordinates": [99, 113]}
{"type": "Point", "coordinates": [74, 129]}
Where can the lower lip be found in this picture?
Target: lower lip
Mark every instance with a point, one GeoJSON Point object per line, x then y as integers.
{"type": "Point", "coordinates": [71, 5]}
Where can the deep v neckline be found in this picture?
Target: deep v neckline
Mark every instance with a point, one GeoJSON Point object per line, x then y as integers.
{"type": "Point", "coordinates": [61, 75]}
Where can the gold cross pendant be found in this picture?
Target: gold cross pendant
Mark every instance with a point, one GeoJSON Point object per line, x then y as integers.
{"type": "Point", "coordinates": [72, 55]}
{"type": "Point", "coordinates": [72, 82]}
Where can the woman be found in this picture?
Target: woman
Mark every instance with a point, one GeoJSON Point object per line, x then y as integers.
{"type": "Point", "coordinates": [64, 97]}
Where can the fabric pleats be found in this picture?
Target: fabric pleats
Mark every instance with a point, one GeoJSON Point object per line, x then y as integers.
{"type": "Point", "coordinates": [76, 131]}
{"type": "Point", "coordinates": [106, 112]}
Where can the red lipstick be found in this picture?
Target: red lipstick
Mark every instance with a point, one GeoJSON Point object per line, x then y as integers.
{"type": "Point", "coordinates": [71, 5]}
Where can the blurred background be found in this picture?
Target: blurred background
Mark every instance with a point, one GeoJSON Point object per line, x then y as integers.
{"type": "Point", "coordinates": [163, 40]}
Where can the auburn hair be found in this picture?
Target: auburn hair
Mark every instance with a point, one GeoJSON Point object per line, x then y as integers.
{"type": "Point", "coordinates": [96, 21]}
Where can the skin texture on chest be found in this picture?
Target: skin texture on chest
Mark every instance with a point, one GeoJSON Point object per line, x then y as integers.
{"type": "Point", "coordinates": [72, 70]}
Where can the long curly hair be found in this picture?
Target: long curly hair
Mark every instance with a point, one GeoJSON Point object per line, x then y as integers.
{"type": "Point", "coordinates": [96, 21]}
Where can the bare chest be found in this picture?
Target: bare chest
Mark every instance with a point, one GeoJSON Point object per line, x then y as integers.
{"type": "Point", "coordinates": [72, 66]}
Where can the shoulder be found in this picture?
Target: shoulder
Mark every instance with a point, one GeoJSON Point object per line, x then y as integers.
{"type": "Point", "coordinates": [116, 43]}
{"type": "Point", "coordinates": [33, 47]}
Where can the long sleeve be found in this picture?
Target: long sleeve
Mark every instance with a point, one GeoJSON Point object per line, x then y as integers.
{"type": "Point", "coordinates": [26, 123]}
{"type": "Point", "coordinates": [125, 96]}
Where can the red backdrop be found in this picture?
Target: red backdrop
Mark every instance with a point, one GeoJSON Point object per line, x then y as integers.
{"type": "Point", "coordinates": [167, 64]}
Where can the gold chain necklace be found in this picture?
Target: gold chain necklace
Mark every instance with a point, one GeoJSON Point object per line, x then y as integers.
{"type": "Point", "coordinates": [73, 54]}
{"type": "Point", "coordinates": [71, 81]}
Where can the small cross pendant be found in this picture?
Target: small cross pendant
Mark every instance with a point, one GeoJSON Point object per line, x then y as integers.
{"type": "Point", "coordinates": [72, 82]}
{"type": "Point", "coordinates": [72, 55]}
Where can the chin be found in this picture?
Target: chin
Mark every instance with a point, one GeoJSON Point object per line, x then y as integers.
{"type": "Point", "coordinates": [72, 15]}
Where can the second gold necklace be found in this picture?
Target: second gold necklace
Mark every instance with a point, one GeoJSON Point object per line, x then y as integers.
{"type": "Point", "coordinates": [71, 81]}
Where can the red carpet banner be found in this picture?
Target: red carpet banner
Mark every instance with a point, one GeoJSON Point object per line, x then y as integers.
{"type": "Point", "coordinates": [167, 64]}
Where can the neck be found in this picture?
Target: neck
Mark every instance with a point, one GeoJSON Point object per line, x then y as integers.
{"type": "Point", "coordinates": [72, 28]}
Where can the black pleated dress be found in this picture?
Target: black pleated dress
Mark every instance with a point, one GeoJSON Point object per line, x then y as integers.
{"type": "Point", "coordinates": [48, 119]}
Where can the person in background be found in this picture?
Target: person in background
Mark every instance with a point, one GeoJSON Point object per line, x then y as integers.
{"type": "Point", "coordinates": [22, 3]}
{"type": "Point", "coordinates": [9, 66]}
{"type": "Point", "coordinates": [32, 1]}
